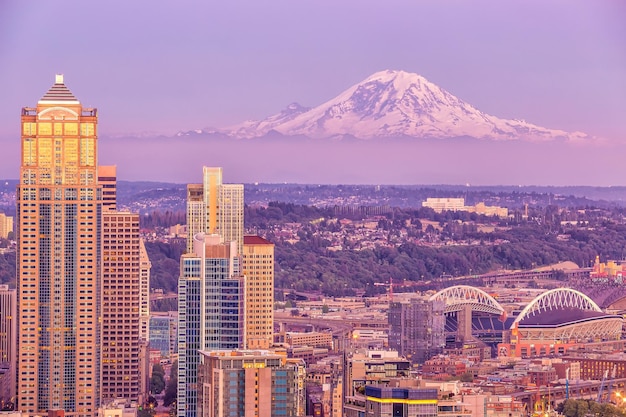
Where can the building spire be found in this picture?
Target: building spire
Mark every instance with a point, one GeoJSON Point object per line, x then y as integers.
{"type": "Point", "coordinates": [59, 93]}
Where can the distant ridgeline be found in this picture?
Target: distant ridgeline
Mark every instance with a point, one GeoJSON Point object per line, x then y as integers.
{"type": "Point", "coordinates": [146, 197]}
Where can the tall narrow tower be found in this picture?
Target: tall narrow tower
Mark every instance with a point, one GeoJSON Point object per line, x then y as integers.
{"type": "Point", "coordinates": [121, 325]}
{"type": "Point", "coordinates": [258, 267]}
{"type": "Point", "coordinates": [59, 206]}
{"type": "Point", "coordinates": [210, 310]}
{"type": "Point", "coordinates": [215, 208]}
{"type": "Point", "coordinates": [8, 338]}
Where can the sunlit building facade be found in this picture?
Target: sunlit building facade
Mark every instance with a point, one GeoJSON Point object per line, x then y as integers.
{"type": "Point", "coordinates": [121, 347]}
{"type": "Point", "coordinates": [78, 268]}
{"type": "Point", "coordinates": [215, 208]}
{"type": "Point", "coordinates": [59, 204]}
{"type": "Point", "coordinates": [6, 225]}
{"type": "Point", "coordinates": [250, 383]}
{"type": "Point", "coordinates": [144, 292]}
{"type": "Point", "coordinates": [258, 268]}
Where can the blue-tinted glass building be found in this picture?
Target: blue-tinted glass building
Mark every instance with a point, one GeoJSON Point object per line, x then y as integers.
{"type": "Point", "coordinates": [163, 334]}
{"type": "Point", "coordinates": [210, 310]}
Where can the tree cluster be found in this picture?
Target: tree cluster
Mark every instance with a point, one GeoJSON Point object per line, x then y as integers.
{"type": "Point", "coordinates": [157, 380]}
{"type": "Point", "coordinates": [165, 260]}
{"type": "Point", "coordinates": [583, 408]}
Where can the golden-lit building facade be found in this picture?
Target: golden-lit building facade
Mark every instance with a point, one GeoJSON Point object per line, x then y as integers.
{"type": "Point", "coordinates": [144, 292]}
{"type": "Point", "coordinates": [59, 207]}
{"type": "Point", "coordinates": [107, 178]}
{"type": "Point", "coordinates": [250, 383]}
{"type": "Point", "coordinates": [215, 208]}
{"type": "Point", "coordinates": [6, 225]}
{"type": "Point", "coordinates": [258, 268]}
{"type": "Point", "coordinates": [121, 249]}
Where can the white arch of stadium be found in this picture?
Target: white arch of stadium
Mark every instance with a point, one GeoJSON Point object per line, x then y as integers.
{"type": "Point", "coordinates": [556, 299]}
{"type": "Point", "coordinates": [460, 296]}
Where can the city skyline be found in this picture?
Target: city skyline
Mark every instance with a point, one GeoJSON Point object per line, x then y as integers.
{"type": "Point", "coordinates": [161, 69]}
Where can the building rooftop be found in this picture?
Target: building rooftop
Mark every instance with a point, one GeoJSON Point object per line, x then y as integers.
{"type": "Point", "coordinates": [59, 92]}
{"type": "Point", "coordinates": [255, 240]}
{"type": "Point", "coordinates": [562, 317]}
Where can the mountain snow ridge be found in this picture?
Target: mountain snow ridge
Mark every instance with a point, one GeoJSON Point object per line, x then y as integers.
{"type": "Point", "coordinates": [395, 104]}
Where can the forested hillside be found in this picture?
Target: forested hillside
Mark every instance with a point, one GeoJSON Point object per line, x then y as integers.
{"type": "Point", "coordinates": [316, 251]}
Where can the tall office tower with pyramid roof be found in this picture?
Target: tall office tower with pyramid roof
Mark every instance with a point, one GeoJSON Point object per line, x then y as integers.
{"type": "Point", "coordinates": [59, 207]}
{"type": "Point", "coordinates": [81, 275]}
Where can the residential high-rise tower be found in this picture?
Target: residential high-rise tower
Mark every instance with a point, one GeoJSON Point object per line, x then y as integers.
{"type": "Point", "coordinates": [215, 208]}
{"type": "Point", "coordinates": [258, 268]}
{"type": "Point", "coordinates": [121, 341]}
{"type": "Point", "coordinates": [144, 292]}
{"type": "Point", "coordinates": [6, 225]}
{"type": "Point", "coordinates": [210, 310]}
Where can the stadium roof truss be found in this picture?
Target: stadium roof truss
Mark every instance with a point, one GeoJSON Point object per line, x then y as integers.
{"type": "Point", "coordinates": [557, 299]}
{"type": "Point", "coordinates": [460, 296]}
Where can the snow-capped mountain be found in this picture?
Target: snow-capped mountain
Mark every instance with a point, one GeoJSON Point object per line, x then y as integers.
{"type": "Point", "coordinates": [395, 104]}
{"type": "Point", "coordinates": [253, 128]}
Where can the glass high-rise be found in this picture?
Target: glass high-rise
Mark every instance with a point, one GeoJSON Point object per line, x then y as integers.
{"type": "Point", "coordinates": [210, 310]}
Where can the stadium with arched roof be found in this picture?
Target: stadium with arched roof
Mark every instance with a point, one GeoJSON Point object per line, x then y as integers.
{"type": "Point", "coordinates": [472, 313]}
{"type": "Point", "coordinates": [557, 320]}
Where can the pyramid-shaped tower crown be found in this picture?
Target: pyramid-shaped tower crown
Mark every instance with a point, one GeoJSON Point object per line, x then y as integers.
{"type": "Point", "coordinates": [59, 93]}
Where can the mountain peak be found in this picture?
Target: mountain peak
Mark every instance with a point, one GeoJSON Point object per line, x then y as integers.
{"type": "Point", "coordinates": [396, 103]}
{"type": "Point", "coordinates": [392, 75]}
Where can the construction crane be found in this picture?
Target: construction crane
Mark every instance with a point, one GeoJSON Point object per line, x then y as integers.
{"type": "Point", "coordinates": [390, 285]}
{"type": "Point", "coordinates": [601, 389]}
{"type": "Point", "coordinates": [610, 384]}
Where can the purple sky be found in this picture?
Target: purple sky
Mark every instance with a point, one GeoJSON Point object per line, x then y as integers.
{"type": "Point", "coordinates": [161, 67]}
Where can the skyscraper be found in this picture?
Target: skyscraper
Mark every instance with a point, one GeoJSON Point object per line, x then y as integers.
{"type": "Point", "coordinates": [210, 310]}
{"type": "Point", "coordinates": [144, 292]}
{"type": "Point", "coordinates": [215, 208]}
{"type": "Point", "coordinates": [78, 267]}
{"type": "Point", "coordinates": [59, 205]}
{"type": "Point", "coordinates": [258, 268]}
{"type": "Point", "coordinates": [8, 339]}
{"type": "Point", "coordinates": [121, 341]}
{"type": "Point", "coordinates": [125, 306]}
